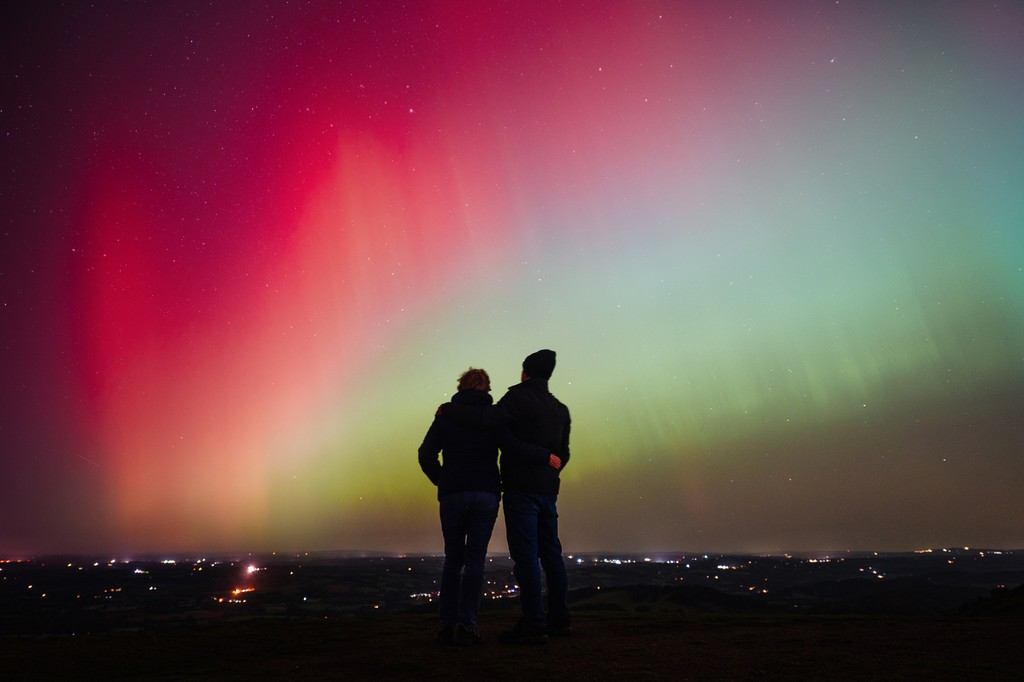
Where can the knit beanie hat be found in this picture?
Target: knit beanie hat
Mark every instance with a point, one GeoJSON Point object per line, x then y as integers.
{"type": "Point", "coordinates": [539, 365]}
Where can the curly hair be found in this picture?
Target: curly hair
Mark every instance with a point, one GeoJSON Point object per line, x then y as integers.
{"type": "Point", "coordinates": [474, 379]}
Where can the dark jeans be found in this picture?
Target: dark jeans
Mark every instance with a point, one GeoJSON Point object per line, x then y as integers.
{"type": "Point", "coordinates": [531, 524]}
{"type": "Point", "coordinates": [467, 519]}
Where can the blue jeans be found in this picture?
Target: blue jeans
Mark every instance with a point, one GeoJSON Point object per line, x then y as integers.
{"type": "Point", "coordinates": [467, 519]}
{"type": "Point", "coordinates": [531, 525]}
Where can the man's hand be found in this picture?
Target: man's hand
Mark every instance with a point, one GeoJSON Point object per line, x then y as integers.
{"type": "Point", "coordinates": [554, 461]}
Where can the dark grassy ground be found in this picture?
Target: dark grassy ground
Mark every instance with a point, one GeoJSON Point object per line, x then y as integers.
{"type": "Point", "coordinates": [605, 645]}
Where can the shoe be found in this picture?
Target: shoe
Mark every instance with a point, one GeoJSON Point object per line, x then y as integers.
{"type": "Point", "coordinates": [464, 637]}
{"type": "Point", "coordinates": [523, 633]}
{"type": "Point", "coordinates": [446, 636]}
{"type": "Point", "coordinates": [560, 630]}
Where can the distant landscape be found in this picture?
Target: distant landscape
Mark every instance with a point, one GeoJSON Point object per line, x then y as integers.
{"type": "Point", "coordinates": [947, 612]}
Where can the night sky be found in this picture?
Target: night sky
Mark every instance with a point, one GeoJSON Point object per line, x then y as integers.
{"type": "Point", "coordinates": [247, 248]}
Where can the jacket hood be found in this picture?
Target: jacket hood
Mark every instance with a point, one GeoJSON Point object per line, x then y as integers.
{"type": "Point", "coordinates": [472, 397]}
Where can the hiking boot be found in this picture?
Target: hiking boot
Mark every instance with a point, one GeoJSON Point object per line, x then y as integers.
{"type": "Point", "coordinates": [446, 636]}
{"type": "Point", "coordinates": [559, 630]}
{"type": "Point", "coordinates": [523, 633]}
{"type": "Point", "coordinates": [464, 637]}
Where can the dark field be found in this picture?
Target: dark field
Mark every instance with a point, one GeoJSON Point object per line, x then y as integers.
{"type": "Point", "coordinates": [605, 645]}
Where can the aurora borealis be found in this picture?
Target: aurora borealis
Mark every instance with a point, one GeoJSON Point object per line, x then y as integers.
{"type": "Point", "coordinates": [246, 250]}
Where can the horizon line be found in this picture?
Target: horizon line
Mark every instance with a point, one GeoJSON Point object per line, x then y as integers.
{"type": "Point", "coordinates": [154, 555]}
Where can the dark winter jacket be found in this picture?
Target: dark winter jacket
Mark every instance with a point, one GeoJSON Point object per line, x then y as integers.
{"type": "Point", "coordinates": [470, 452]}
{"type": "Point", "coordinates": [535, 416]}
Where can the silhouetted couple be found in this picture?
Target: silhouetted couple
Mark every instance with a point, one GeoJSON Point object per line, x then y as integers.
{"type": "Point", "coordinates": [531, 427]}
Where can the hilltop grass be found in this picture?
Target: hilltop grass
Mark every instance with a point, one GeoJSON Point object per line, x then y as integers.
{"type": "Point", "coordinates": [645, 646]}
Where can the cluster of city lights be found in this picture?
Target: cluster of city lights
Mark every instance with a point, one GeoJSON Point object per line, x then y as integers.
{"type": "Point", "coordinates": [719, 570]}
